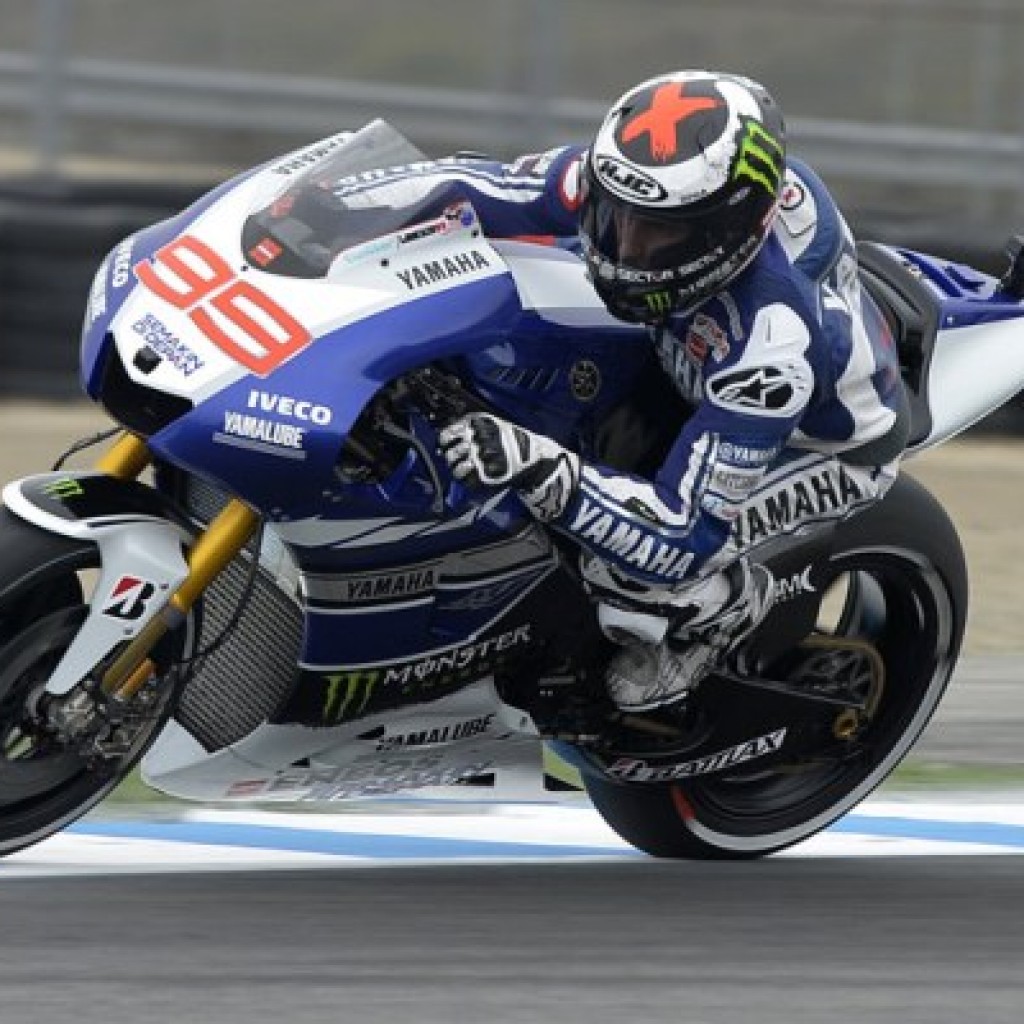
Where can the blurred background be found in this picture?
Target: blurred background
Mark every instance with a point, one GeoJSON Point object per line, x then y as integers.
{"type": "Point", "coordinates": [114, 113]}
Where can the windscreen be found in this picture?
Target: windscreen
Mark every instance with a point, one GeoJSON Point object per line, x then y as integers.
{"type": "Point", "coordinates": [340, 202]}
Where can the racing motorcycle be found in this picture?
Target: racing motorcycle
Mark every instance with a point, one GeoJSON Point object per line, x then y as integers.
{"type": "Point", "coordinates": [270, 588]}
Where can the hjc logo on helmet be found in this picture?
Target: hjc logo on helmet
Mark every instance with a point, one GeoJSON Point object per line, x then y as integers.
{"type": "Point", "coordinates": [628, 182]}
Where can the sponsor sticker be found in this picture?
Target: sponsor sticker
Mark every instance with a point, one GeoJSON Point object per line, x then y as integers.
{"type": "Point", "coordinates": [817, 495]}
{"type": "Point", "coordinates": [262, 435]}
{"type": "Point", "coordinates": [760, 390]}
{"type": "Point", "coordinates": [439, 271]}
{"type": "Point", "coordinates": [705, 337]}
{"type": "Point", "coordinates": [637, 544]}
{"type": "Point", "coordinates": [162, 340]}
{"type": "Point", "coordinates": [122, 264]}
{"type": "Point", "coordinates": [584, 380]}
{"type": "Point", "coordinates": [636, 770]}
{"type": "Point", "coordinates": [293, 408]}
{"type": "Point", "coordinates": [447, 733]}
{"type": "Point", "coordinates": [129, 598]}
{"type": "Point", "coordinates": [793, 586]}
{"type": "Point", "coordinates": [628, 182]}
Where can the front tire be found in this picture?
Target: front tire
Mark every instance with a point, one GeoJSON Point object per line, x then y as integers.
{"type": "Point", "coordinates": [45, 783]}
{"type": "Point", "coordinates": [901, 579]}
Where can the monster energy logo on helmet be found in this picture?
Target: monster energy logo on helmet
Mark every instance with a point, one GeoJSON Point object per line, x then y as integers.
{"type": "Point", "coordinates": [759, 157]}
{"type": "Point", "coordinates": [659, 302]}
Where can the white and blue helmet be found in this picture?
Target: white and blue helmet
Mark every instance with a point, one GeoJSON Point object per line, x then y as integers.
{"type": "Point", "coordinates": [679, 191]}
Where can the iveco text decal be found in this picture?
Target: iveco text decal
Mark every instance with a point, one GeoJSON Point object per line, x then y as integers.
{"type": "Point", "coordinates": [294, 408]}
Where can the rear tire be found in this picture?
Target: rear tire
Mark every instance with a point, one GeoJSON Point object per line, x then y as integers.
{"type": "Point", "coordinates": [901, 570]}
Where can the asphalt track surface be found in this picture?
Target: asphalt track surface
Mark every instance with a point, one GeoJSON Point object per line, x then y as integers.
{"type": "Point", "coordinates": [936, 941]}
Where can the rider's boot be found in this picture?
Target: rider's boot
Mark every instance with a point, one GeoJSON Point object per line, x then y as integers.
{"type": "Point", "coordinates": [648, 676]}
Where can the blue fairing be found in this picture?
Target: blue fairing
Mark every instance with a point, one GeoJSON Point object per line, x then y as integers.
{"type": "Point", "coordinates": [341, 371]}
{"type": "Point", "coordinates": [95, 331]}
{"type": "Point", "coordinates": [557, 370]}
{"type": "Point", "coordinates": [968, 296]}
{"type": "Point", "coordinates": [481, 326]}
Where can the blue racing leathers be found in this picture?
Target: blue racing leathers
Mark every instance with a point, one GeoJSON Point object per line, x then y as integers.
{"type": "Point", "coordinates": [791, 369]}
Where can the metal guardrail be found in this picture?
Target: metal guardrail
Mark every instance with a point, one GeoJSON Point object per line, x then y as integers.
{"type": "Point", "coordinates": [309, 107]}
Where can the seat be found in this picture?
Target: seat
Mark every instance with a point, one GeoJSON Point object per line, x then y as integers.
{"type": "Point", "coordinates": [912, 312]}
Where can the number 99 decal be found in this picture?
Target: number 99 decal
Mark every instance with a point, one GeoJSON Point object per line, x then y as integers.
{"type": "Point", "coordinates": [242, 321]}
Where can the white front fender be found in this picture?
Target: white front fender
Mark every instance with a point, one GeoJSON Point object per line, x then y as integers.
{"type": "Point", "coordinates": [141, 556]}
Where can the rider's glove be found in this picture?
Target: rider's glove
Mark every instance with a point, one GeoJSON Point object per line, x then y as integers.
{"type": "Point", "coordinates": [484, 450]}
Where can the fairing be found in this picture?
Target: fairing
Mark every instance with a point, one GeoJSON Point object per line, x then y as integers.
{"type": "Point", "coordinates": [252, 376]}
{"type": "Point", "coordinates": [977, 361]}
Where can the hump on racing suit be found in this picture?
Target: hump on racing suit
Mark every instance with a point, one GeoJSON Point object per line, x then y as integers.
{"type": "Point", "coordinates": [792, 358]}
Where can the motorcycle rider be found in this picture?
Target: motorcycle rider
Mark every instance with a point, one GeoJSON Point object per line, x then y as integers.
{"type": "Point", "coordinates": [693, 223]}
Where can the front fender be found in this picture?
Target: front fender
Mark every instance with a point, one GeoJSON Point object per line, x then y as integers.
{"type": "Point", "coordinates": [141, 549]}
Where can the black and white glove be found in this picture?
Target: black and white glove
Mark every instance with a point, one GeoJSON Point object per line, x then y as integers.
{"type": "Point", "coordinates": [484, 450]}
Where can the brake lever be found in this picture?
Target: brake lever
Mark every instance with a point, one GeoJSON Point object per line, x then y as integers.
{"type": "Point", "coordinates": [441, 397]}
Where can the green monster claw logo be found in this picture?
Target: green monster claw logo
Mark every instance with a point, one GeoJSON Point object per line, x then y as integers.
{"type": "Point", "coordinates": [64, 489]}
{"type": "Point", "coordinates": [759, 157]}
{"type": "Point", "coordinates": [349, 693]}
{"type": "Point", "coordinates": [659, 302]}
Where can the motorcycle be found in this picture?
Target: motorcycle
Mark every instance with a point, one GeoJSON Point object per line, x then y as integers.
{"type": "Point", "coordinates": [270, 588]}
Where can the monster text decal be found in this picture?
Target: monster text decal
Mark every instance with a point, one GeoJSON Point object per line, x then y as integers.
{"type": "Point", "coordinates": [335, 697]}
{"type": "Point", "coordinates": [242, 321]}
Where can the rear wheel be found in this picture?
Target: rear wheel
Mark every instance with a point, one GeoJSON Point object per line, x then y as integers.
{"type": "Point", "coordinates": [59, 757]}
{"type": "Point", "coordinates": [898, 592]}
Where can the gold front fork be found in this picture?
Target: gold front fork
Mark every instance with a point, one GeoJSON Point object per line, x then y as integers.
{"type": "Point", "coordinates": [127, 458]}
{"type": "Point", "coordinates": [225, 536]}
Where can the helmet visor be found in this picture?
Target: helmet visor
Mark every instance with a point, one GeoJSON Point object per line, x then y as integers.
{"type": "Point", "coordinates": [628, 238]}
{"type": "Point", "coordinates": [644, 245]}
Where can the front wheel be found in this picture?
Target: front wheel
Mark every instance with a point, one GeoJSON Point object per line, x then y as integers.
{"type": "Point", "coordinates": [56, 762]}
{"type": "Point", "coordinates": [897, 582]}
